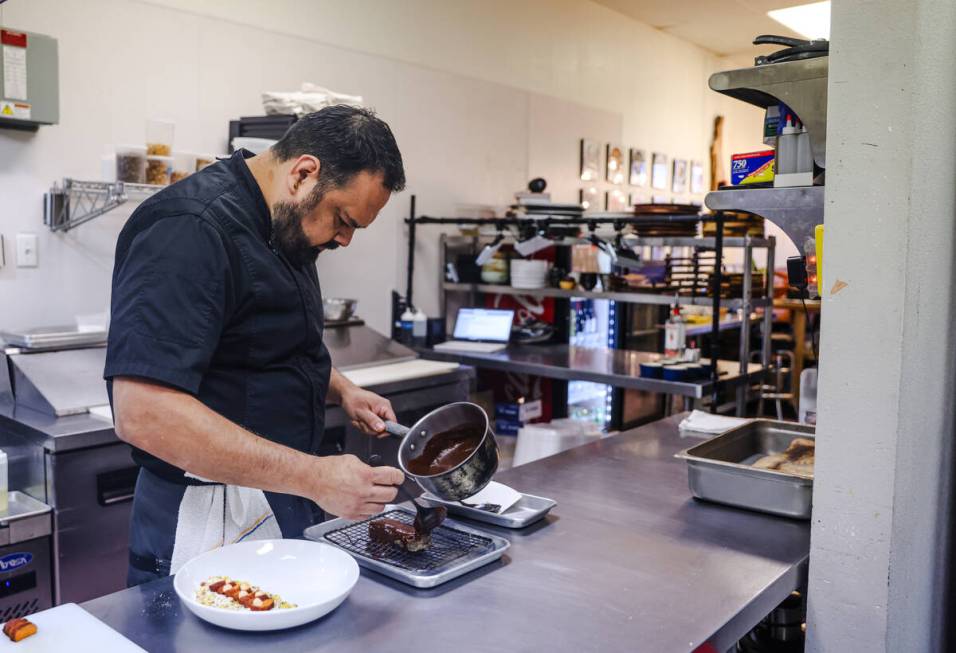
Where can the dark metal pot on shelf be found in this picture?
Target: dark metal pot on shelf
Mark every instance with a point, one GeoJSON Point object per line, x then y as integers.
{"type": "Point", "coordinates": [467, 477]}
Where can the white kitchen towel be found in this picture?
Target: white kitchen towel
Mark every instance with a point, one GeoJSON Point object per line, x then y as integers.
{"type": "Point", "coordinates": [702, 422]}
{"type": "Point", "coordinates": [211, 516]}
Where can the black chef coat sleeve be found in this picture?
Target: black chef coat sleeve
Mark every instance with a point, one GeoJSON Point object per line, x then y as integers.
{"type": "Point", "coordinates": [171, 298]}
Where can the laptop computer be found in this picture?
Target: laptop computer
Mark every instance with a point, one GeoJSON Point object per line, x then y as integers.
{"type": "Point", "coordinates": [483, 330]}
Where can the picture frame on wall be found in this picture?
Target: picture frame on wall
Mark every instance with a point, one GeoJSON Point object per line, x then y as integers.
{"type": "Point", "coordinates": [615, 200]}
{"type": "Point", "coordinates": [590, 160]}
{"type": "Point", "coordinates": [679, 178]}
{"type": "Point", "coordinates": [616, 171]}
{"type": "Point", "coordinates": [660, 199]}
{"type": "Point", "coordinates": [590, 199]}
{"type": "Point", "coordinates": [659, 171]}
{"type": "Point", "coordinates": [696, 177]}
{"type": "Point", "coordinates": [637, 169]}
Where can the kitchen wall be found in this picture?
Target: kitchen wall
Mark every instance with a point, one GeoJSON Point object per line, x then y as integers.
{"type": "Point", "coordinates": [881, 558]}
{"type": "Point", "coordinates": [481, 96]}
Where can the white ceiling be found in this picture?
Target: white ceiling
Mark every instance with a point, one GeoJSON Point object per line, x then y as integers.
{"type": "Point", "coordinates": [721, 26]}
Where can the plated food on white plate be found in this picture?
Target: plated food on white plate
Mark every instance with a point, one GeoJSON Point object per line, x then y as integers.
{"type": "Point", "coordinates": [266, 584]}
{"type": "Point", "coordinates": [230, 594]}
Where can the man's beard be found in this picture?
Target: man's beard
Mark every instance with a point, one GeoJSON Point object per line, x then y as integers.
{"type": "Point", "coordinates": [288, 237]}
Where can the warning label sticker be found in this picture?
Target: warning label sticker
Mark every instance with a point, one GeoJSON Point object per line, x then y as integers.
{"type": "Point", "coordinates": [12, 109]}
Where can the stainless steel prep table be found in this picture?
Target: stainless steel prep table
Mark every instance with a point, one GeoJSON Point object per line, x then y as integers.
{"type": "Point", "coordinates": [626, 561]}
{"type": "Point", "coordinates": [74, 462]}
{"type": "Point", "coordinates": [616, 367]}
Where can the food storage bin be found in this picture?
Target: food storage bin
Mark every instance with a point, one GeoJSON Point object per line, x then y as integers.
{"type": "Point", "coordinates": [203, 160]}
{"type": "Point", "coordinates": [184, 164]}
{"type": "Point", "coordinates": [159, 137]}
{"type": "Point", "coordinates": [158, 170]}
{"type": "Point", "coordinates": [131, 164]}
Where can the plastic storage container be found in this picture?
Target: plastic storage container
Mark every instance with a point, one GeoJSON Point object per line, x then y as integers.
{"type": "Point", "coordinates": [203, 160]}
{"type": "Point", "coordinates": [184, 164]}
{"type": "Point", "coordinates": [158, 170]}
{"type": "Point", "coordinates": [159, 137]}
{"type": "Point", "coordinates": [131, 164]}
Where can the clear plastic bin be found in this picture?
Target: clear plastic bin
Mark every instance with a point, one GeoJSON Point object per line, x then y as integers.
{"type": "Point", "coordinates": [158, 170]}
{"type": "Point", "coordinates": [131, 164]}
{"type": "Point", "coordinates": [184, 164]}
{"type": "Point", "coordinates": [159, 137]}
{"type": "Point", "coordinates": [203, 160]}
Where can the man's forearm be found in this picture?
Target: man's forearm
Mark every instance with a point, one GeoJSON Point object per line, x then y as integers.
{"type": "Point", "coordinates": [338, 386]}
{"type": "Point", "coordinates": [179, 429]}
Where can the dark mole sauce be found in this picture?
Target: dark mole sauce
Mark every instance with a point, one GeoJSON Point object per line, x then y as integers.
{"type": "Point", "coordinates": [446, 450]}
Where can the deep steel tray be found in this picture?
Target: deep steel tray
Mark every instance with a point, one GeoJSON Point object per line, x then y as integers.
{"type": "Point", "coordinates": [528, 510]}
{"type": "Point", "coordinates": [720, 469]}
{"type": "Point", "coordinates": [415, 569]}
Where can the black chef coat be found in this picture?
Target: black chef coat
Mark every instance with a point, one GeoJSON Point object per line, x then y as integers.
{"type": "Point", "coordinates": [202, 302]}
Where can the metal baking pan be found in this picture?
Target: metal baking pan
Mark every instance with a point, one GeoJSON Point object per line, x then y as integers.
{"type": "Point", "coordinates": [528, 510]}
{"type": "Point", "coordinates": [720, 469]}
{"type": "Point", "coordinates": [422, 578]}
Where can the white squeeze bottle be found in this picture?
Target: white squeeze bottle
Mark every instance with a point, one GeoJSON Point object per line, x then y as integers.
{"type": "Point", "coordinates": [675, 334]}
{"type": "Point", "coordinates": [787, 149]}
{"type": "Point", "coordinates": [407, 324]}
{"type": "Point", "coordinates": [419, 327]}
{"type": "Point", "coordinates": [804, 155]}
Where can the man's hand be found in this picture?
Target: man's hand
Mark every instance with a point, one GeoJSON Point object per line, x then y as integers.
{"type": "Point", "coordinates": [367, 410]}
{"type": "Point", "coordinates": [347, 487]}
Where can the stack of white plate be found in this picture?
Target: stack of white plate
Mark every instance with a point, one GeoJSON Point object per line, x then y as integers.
{"type": "Point", "coordinates": [529, 274]}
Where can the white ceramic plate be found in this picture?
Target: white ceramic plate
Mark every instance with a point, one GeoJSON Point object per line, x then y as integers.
{"type": "Point", "coordinates": [316, 577]}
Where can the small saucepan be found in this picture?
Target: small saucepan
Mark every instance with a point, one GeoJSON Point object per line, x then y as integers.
{"type": "Point", "coordinates": [450, 452]}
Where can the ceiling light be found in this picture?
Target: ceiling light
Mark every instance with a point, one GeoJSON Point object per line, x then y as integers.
{"type": "Point", "coordinates": [811, 21]}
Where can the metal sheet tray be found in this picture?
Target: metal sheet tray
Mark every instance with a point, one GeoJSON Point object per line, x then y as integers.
{"type": "Point", "coordinates": [721, 470]}
{"type": "Point", "coordinates": [528, 510]}
{"type": "Point", "coordinates": [422, 578]}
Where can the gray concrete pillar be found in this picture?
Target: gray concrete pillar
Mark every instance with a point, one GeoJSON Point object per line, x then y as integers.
{"type": "Point", "coordinates": [888, 343]}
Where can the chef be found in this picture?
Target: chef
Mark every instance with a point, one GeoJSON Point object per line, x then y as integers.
{"type": "Point", "coordinates": [215, 366]}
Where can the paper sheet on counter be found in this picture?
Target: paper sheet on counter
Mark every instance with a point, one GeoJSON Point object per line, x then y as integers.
{"type": "Point", "coordinates": [494, 492]}
{"type": "Point", "coordinates": [700, 422]}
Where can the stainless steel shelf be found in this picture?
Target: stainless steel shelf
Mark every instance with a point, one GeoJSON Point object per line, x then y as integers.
{"type": "Point", "coordinates": [626, 297]}
{"type": "Point", "coordinates": [650, 241]}
{"type": "Point", "coordinates": [74, 202]}
{"type": "Point", "coordinates": [801, 85]}
{"type": "Point", "coordinates": [795, 210]}
{"type": "Point", "coordinates": [616, 367]}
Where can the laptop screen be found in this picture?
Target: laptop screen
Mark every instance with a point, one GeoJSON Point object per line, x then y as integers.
{"type": "Point", "coordinates": [486, 324]}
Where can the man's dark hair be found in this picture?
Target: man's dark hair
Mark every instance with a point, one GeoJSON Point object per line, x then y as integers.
{"type": "Point", "coordinates": [346, 140]}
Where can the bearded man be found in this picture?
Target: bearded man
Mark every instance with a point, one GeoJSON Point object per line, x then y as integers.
{"type": "Point", "coordinates": [215, 367]}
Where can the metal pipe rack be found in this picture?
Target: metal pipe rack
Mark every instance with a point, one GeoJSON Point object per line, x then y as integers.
{"type": "Point", "coordinates": [620, 221]}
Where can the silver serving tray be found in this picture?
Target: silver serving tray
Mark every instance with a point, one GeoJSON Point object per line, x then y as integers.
{"type": "Point", "coordinates": [528, 510]}
{"type": "Point", "coordinates": [721, 470]}
{"type": "Point", "coordinates": [430, 578]}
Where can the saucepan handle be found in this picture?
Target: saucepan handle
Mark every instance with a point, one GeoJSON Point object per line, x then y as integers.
{"type": "Point", "coordinates": [396, 429]}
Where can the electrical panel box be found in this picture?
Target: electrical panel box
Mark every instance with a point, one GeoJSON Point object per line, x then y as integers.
{"type": "Point", "coordinates": [29, 80]}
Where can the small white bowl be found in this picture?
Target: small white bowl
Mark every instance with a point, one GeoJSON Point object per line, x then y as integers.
{"type": "Point", "coordinates": [316, 577]}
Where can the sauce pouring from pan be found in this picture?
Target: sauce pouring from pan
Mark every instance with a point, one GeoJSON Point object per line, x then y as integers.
{"type": "Point", "coordinates": [451, 452]}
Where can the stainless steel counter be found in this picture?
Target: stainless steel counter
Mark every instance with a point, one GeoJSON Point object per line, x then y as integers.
{"type": "Point", "coordinates": [67, 379]}
{"type": "Point", "coordinates": [616, 367]}
{"type": "Point", "coordinates": [626, 561]}
{"type": "Point", "coordinates": [75, 463]}
{"type": "Point", "coordinates": [355, 346]}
